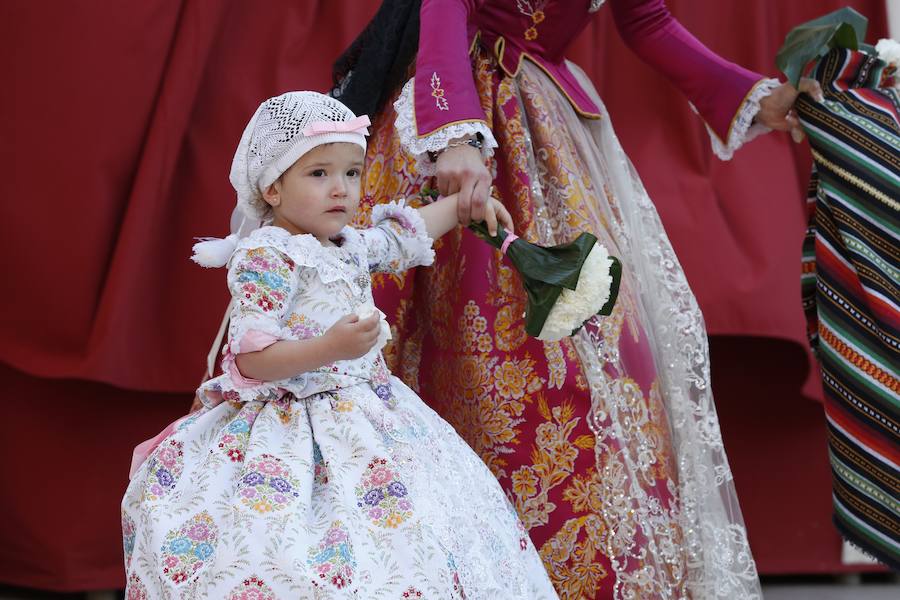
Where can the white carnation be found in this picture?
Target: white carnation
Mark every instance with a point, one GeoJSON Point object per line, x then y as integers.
{"type": "Point", "coordinates": [574, 307]}
{"type": "Point", "coordinates": [889, 52]}
{"type": "Point", "coordinates": [384, 330]}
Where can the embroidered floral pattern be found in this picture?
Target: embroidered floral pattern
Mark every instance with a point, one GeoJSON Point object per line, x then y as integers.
{"type": "Point", "coordinates": [414, 163]}
{"type": "Point", "coordinates": [411, 592]}
{"type": "Point", "coordinates": [535, 11]}
{"type": "Point", "coordinates": [333, 558]}
{"type": "Point", "coordinates": [128, 537]}
{"type": "Point", "coordinates": [342, 403]}
{"type": "Point", "coordinates": [458, 590]}
{"type": "Point", "coordinates": [252, 588]}
{"type": "Point", "coordinates": [284, 408]}
{"type": "Point", "coordinates": [437, 92]}
{"type": "Point", "coordinates": [185, 423]}
{"type": "Point", "coordinates": [476, 338]}
{"type": "Point", "coordinates": [164, 468]}
{"type": "Point", "coordinates": [381, 383]}
{"type": "Point", "coordinates": [186, 550]}
{"type": "Point", "coordinates": [135, 589]}
{"type": "Point", "coordinates": [266, 485]}
{"type": "Point", "coordinates": [382, 496]}
{"type": "Point", "coordinates": [303, 326]}
{"type": "Point", "coordinates": [263, 278]}
{"type": "Point", "coordinates": [236, 435]}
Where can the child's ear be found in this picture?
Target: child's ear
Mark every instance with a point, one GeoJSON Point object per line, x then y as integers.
{"type": "Point", "coordinates": [272, 195]}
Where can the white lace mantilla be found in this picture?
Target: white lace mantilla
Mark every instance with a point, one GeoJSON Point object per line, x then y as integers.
{"type": "Point", "coordinates": [696, 546]}
{"type": "Point", "coordinates": [743, 129]}
{"type": "Point", "coordinates": [438, 140]}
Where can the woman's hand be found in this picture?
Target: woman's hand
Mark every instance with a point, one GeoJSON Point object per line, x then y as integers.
{"type": "Point", "coordinates": [461, 169]}
{"type": "Point", "coordinates": [352, 337]}
{"type": "Point", "coordinates": [776, 111]}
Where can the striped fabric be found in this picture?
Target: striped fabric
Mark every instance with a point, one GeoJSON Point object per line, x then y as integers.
{"type": "Point", "coordinates": [851, 277]}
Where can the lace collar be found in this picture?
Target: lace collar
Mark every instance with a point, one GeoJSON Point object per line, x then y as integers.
{"type": "Point", "coordinates": [331, 262]}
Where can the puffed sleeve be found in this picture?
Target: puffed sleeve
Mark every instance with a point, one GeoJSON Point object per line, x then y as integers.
{"type": "Point", "coordinates": [262, 282]}
{"type": "Point", "coordinates": [440, 103]}
{"type": "Point", "coordinates": [724, 94]}
{"type": "Point", "coordinates": [398, 239]}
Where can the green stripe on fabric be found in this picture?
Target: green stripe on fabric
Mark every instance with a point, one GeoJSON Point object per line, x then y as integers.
{"type": "Point", "coordinates": [863, 485]}
{"type": "Point", "coordinates": [882, 133]}
{"type": "Point", "coordinates": [872, 168]}
{"type": "Point", "coordinates": [864, 207]}
{"type": "Point", "coordinates": [864, 530]}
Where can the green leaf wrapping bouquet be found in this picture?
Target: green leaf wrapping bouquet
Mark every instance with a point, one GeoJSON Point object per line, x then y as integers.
{"type": "Point", "coordinates": [844, 28]}
{"type": "Point", "coordinates": [566, 285]}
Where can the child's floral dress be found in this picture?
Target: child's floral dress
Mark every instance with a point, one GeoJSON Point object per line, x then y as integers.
{"type": "Point", "coordinates": [337, 483]}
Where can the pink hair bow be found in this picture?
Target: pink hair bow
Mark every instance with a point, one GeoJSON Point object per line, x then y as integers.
{"type": "Point", "coordinates": [358, 125]}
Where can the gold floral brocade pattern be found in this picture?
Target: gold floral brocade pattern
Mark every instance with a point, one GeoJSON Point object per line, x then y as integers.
{"type": "Point", "coordinates": [522, 404]}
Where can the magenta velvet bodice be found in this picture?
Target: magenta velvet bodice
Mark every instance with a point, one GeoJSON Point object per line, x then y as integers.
{"type": "Point", "coordinates": [541, 31]}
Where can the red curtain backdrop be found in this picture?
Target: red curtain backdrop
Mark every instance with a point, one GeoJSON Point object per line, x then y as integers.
{"type": "Point", "coordinates": [118, 126]}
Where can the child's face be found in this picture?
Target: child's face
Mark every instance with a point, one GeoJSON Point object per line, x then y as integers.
{"type": "Point", "coordinates": [318, 194]}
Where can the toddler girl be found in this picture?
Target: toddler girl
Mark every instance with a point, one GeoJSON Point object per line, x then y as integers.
{"type": "Point", "coordinates": [311, 472]}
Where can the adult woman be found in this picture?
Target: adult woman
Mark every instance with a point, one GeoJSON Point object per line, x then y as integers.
{"type": "Point", "coordinates": [607, 443]}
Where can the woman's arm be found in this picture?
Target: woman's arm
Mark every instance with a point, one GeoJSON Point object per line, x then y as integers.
{"type": "Point", "coordinates": [720, 90]}
{"type": "Point", "coordinates": [444, 88]}
{"type": "Point", "coordinates": [440, 107]}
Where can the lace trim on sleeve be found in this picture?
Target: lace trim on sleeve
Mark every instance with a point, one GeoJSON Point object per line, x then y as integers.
{"type": "Point", "coordinates": [417, 244]}
{"type": "Point", "coordinates": [438, 140]}
{"type": "Point", "coordinates": [743, 129]}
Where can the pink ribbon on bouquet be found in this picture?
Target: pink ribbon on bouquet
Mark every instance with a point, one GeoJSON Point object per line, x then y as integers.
{"type": "Point", "coordinates": [358, 125]}
{"type": "Point", "coordinates": [510, 238]}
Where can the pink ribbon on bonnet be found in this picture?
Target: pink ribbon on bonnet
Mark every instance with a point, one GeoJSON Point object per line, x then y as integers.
{"type": "Point", "coordinates": [358, 125]}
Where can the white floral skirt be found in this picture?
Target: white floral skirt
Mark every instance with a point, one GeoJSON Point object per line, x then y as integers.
{"type": "Point", "coordinates": [332, 496]}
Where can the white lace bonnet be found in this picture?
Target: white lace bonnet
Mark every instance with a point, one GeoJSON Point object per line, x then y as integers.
{"type": "Point", "coordinates": [282, 129]}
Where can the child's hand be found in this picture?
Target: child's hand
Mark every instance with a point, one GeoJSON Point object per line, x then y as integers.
{"type": "Point", "coordinates": [496, 213]}
{"type": "Point", "coordinates": [351, 337]}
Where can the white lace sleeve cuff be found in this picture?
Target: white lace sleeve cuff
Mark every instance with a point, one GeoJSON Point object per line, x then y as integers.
{"type": "Point", "coordinates": [743, 129]}
{"type": "Point", "coordinates": [438, 140]}
{"type": "Point", "coordinates": [412, 246]}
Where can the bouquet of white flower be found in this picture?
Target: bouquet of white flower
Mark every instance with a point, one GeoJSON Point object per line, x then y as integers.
{"type": "Point", "coordinates": [889, 51]}
{"type": "Point", "coordinates": [566, 284]}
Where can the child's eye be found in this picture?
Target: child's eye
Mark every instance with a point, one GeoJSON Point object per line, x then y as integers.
{"type": "Point", "coordinates": [353, 173]}
{"type": "Point", "coordinates": [318, 173]}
